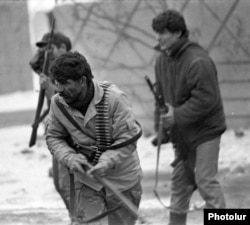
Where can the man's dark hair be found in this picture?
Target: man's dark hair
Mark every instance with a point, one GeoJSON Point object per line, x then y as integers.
{"type": "Point", "coordinates": [170, 20]}
{"type": "Point", "coordinates": [70, 65]}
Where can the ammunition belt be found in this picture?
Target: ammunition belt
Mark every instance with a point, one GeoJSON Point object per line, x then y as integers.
{"type": "Point", "coordinates": [103, 134]}
{"type": "Point", "coordinates": [102, 124]}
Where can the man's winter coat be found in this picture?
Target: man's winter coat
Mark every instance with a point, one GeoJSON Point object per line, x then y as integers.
{"type": "Point", "coordinates": [187, 79]}
{"type": "Point", "coordinates": [125, 170]}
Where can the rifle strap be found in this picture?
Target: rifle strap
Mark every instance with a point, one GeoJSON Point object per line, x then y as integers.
{"type": "Point", "coordinates": [159, 140]}
{"type": "Point", "coordinates": [70, 118]}
{"type": "Point", "coordinates": [189, 170]}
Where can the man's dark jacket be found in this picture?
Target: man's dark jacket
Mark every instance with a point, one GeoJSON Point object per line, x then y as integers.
{"type": "Point", "coordinates": [187, 79]}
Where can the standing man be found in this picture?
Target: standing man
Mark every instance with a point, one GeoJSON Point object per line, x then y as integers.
{"type": "Point", "coordinates": [103, 119]}
{"type": "Point", "coordinates": [60, 44]}
{"type": "Point", "coordinates": [186, 77]}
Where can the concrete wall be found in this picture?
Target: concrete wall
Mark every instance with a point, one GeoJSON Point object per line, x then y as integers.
{"type": "Point", "coordinates": [15, 74]}
{"type": "Point", "coordinates": [117, 39]}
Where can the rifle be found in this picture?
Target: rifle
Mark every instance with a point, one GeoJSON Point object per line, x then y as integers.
{"type": "Point", "coordinates": [122, 199]}
{"type": "Point", "coordinates": [159, 99]}
{"type": "Point", "coordinates": [180, 138]}
{"type": "Point", "coordinates": [38, 116]}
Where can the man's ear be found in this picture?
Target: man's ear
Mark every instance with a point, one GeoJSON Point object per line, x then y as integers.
{"type": "Point", "coordinates": [178, 34]}
{"type": "Point", "coordinates": [83, 80]}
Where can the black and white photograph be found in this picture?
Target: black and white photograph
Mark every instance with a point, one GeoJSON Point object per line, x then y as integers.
{"type": "Point", "coordinates": [124, 112]}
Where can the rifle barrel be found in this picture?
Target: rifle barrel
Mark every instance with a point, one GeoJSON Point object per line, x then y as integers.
{"type": "Point", "coordinates": [39, 107]}
{"type": "Point", "coordinates": [158, 98]}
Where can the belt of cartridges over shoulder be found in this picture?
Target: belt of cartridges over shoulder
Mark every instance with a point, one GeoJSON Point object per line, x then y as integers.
{"type": "Point", "coordinates": [102, 127]}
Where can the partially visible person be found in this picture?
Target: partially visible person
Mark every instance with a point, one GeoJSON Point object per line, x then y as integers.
{"type": "Point", "coordinates": [60, 44]}
{"type": "Point", "coordinates": [104, 117]}
{"type": "Point", "coordinates": [187, 79]}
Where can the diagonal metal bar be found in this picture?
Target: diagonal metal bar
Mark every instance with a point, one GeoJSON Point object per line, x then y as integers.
{"type": "Point", "coordinates": [223, 22]}
{"type": "Point", "coordinates": [131, 26]}
{"type": "Point", "coordinates": [84, 22]}
{"type": "Point", "coordinates": [184, 6]}
{"type": "Point", "coordinates": [130, 42]}
{"type": "Point", "coordinates": [228, 30]}
{"type": "Point", "coordinates": [146, 2]}
{"type": "Point", "coordinates": [123, 29]}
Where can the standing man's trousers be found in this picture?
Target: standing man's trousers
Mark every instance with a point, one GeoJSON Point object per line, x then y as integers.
{"type": "Point", "coordinates": [205, 163]}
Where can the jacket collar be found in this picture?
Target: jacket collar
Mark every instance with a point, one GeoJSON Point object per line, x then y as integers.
{"type": "Point", "coordinates": [181, 45]}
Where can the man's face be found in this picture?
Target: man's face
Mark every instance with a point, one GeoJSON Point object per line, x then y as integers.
{"type": "Point", "coordinates": [72, 90]}
{"type": "Point", "coordinates": [58, 51]}
{"type": "Point", "coordinates": [167, 39]}
{"type": "Point", "coordinates": [55, 51]}
{"type": "Point", "coordinates": [37, 61]}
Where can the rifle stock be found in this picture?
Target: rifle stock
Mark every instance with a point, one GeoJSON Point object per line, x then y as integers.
{"type": "Point", "coordinates": [37, 117]}
{"type": "Point", "coordinates": [39, 107]}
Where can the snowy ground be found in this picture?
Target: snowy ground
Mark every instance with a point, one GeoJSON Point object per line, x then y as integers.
{"type": "Point", "coordinates": [26, 186]}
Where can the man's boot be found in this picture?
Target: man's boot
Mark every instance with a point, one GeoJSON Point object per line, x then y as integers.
{"type": "Point", "coordinates": [177, 218]}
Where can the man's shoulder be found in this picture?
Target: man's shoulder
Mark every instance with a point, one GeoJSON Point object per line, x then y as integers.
{"type": "Point", "coordinates": [113, 88]}
{"type": "Point", "coordinates": [196, 54]}
{"type": "Point", "coordinates": [195, 50]}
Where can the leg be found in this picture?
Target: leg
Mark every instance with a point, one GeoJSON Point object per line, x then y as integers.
{"type": "Point", "coordinates": [207, 155]}
{"type": "Point", "coordinates": [182, 187]}
{"type": "Point", "coordinates": [61, 181]}
{"type": "Point", "coordinates": [89, 203]}
{"type": "Point", "coordinates": [64, 183]}
{"type": "Point", "coordinates": [122, 215]}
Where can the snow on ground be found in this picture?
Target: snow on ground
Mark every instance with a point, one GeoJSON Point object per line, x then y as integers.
{"type": "Point", "coordinates": [24, 179]}
{"type": "Point", "coordinates": [18, 101]}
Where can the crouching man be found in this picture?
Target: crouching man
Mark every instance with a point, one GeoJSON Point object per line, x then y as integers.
{"type": "Point", "coordinates": [92, 122]}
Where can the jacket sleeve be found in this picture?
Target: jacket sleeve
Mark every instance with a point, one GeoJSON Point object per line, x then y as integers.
{"type": "Point", "coordinates": [203, 92]}
{"type": "Point", "coordinates": [57, 135]}
{"type": "Point", "coordinates": [124, 127]}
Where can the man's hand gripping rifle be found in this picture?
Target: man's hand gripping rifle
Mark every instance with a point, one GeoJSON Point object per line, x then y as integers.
{"type": "Point", "coordinates": [161, 137]}
{"type": "Point", "coordinates": [38, 116]}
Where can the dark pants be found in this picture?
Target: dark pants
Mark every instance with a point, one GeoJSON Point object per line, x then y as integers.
{"type": "Point", "coordinates": [205, 163]}
{"type": "Point", "coordinates": [61, 180]}
{"type": "Point", "coordinates": [90, 203]}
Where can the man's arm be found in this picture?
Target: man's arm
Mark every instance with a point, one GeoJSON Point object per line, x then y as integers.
{"type": "Point", "coordinates": [203, 85]}
{"type": "Point", "coordinates": [57, 140]}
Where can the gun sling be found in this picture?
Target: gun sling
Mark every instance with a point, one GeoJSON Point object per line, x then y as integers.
{"type": "Point", "coordinates": [103, 139]}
